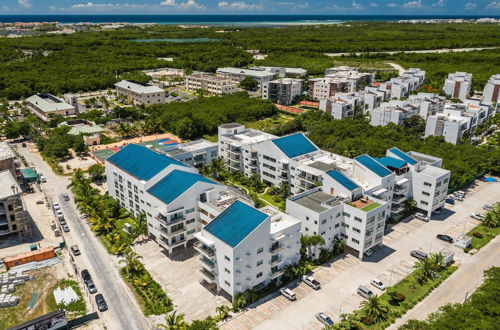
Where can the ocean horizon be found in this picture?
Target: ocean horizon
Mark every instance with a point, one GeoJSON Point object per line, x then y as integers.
{"type": "Point", "coordinates": [220, 20]}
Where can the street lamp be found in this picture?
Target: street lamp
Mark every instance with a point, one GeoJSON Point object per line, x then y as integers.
{"type": "Point", "coordinates": [390, 278]}
{"type": "Point", "coordinates": [340, 310]}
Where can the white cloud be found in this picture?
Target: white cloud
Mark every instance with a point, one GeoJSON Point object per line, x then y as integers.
{"type": "Point", "coordinates": [238, 5]}
{"type": "Point", "coordinates": [440, 3]}
{"type": "Point", "coordinates": [189, 4]}
{"type": "Point", "coordinates": [372, 5]}
{"type": "Point", "coordinates": [493, 5]}
{"type": "Point", "coordinates": [356, 5]}
{"type": "Point", "coordinates": [91, 5]}
{"type": "Point", "coordinates": [24, 4]}
{"type": "Point", "coordinates": [413, 4]}
{"type": "Point", "coordinates": [470, 6]}
{"type": "Point", "coordinates": [392, 5]}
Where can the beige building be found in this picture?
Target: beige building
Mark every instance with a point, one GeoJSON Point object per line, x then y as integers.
{"type": "Point", "coordinates": [212, 84]}
{"type": "Point", "coordinates": [140, 93]}
{"type": "Point", "coordinates": [7, 158]}
{"type": "Point", "coordinates": [45, 105]}
{"type": "Point", "coordinates": [13, 216]}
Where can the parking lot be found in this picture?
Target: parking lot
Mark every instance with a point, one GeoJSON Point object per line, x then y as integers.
{"type": "Point", "coordinates": [390, 264]}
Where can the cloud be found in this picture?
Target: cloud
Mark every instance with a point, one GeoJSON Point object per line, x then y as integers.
{"type": "Point", "coordinates": [356, 5]}
{"type": "Point", "coordinates": [24, 4]}
{"type": "Point", "coordinates": [372, 5]}
{"type": "Point", "coordinates": [189, 4]}
{"type": "Point", "coordinates": [238, 5]}
{"type": "Point", "coordinates": [91, 5]}
{"type": "Point", "coordinates": [440, 3]}
{"type": "Point", "coordinates": [470, 6]}
{"type": "Point", "coordinates": [294, 5]}
{"type": "Point", "coordinates": [493, 5]}
{"type": "Point", "coordinates": [392, 5]}
{"type": "Point", "coordinates": [413, 4]}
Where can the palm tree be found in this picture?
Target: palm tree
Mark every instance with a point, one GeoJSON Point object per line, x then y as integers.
{"type": "Point", "coordinates": [239, 301]}
{"type": "Point", "coordinates": [174, 321]}
{"type": "Point", "coordinates": [216, 167]}
{"type": "Point", "coordinates": [141, 226]}
{"type": "Point", "coordinates": [223, 311]}
{"type": "Point", "coordinates": [131, 260]}
{"type": "Point", "coordinates": [375, 309]}
{"type": "Point", "coordinates": [308, 242]}
{"type": "Point", "coordinates": [492, 218]}
{"type": "Point", "coordinates": [438, 261]}
{"type": "Point", "coordinates": [424, 269]}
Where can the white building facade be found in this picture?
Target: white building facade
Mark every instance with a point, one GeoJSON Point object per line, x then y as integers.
{"type": "Point", "coordinates": [140, 93]}
{"type": "Point", "coordinates": [458, 85]}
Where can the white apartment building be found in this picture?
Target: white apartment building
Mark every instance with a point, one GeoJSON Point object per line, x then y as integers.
{"type": "Point", "coordinates": [458, 85]}
{"type": "Point", "coordinates": [140, 93]}
{"type": "Point", "coordinates": [282, 72]}
{"type": "Point", "coordinates": [373, 97]}
{"type": "Point", "coordinates": [196, 153]}
{"type": "Point", "coordinates": [336, 107]}
{"type": "Point", "coordinates": [429, 104]}
{"type": "Point", "coordinates": [393, 111]}
{"type": "Point", "coordinates": [415, 73]}
{"type": "Point", "coordinates": [245, 248]}
{"type": "Point", "coordinates": [282, 91]}
{"type": "Point", "coordinates": [237, 74]}
{"type": "Point", "coordinates": [491, 91]}
{"type": "Point", "coordinates": [45, 105]}
{"type": "Point", "coordinates": [324, 88]}
{"type": "Point", "coordinates": [356, 80]}
{"type": "Point", "coordinates": [214, 85]}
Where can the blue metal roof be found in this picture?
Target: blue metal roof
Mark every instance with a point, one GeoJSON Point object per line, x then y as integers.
{"type": "Point", "coordinates": [295, 145]}
{"type": "Point", "coordinates": [373, 165]}
{"type": "Point", "coordinates": [343, 180]}
{"type": "Point", "coordinates": [235, 223]}
{"type": "Point", "coordinates": [141, 162]}
{"type": "Point", "coordinates": [175, 184]}
{"type": "Point", "coordinates": [403, 156]}
{"type": "Point", "coordinates": [391, 162]}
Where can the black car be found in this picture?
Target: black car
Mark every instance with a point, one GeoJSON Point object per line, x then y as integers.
{"type": "Point", "coordinates": [86, 276]}
{"type": "Point", "coordinates": [65, 197]}
{"type": "Point", "coordinates": [101, 303]}
{"type": "Point", "coordinates": [445, 238]}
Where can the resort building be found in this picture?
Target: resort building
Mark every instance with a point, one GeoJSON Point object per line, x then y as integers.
{"type": "Point", "coordinates": [91, 131]}
{"type": "Point", "coordinates": [393, 111]}
{"type": "Point", "coordinates": [245, 248]}
{"type": "Point", "coordinates": [356, 80]}
{"type": "Point", "coordinates": [236, 75]}
{"type": "Point", "coordinates": [324, 88]}
{"type": "Point", "coordinates": [491, 93]}
{"type": "Point", "coordinates": [458, 85]}
{"type": "Point", "coordinates": [13, 215]}
{"type": "Point", "coordinates": [7, 157]}
{"type": "Point", "coordinates": [45, 105]}
{"type": "Point", "coordinates": [282, 91]}
{"type": "Point", "coordinates": [283, 72]}
{"type": "Point", "coordinates": [140, 93]}
{"type": "Point", "coordinates": [337, 108]}
{"type": "Point", "coordinates": [196, 153]}
{"type": "Point", "coordinates": [214, 85]}
{"type": "Point", "coordinates": [429, 104]}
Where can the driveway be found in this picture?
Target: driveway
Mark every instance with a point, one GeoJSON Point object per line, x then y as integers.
{"type": "Point", "coordinates": [390, 264]}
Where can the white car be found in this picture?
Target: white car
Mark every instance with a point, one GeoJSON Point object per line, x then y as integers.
{"type": "Point", "coordinates": [56, 206]}
{"type": "Point", "coordinates": [477, 216]}
{"type": "Point", "coordinates": [323, 318]}
{"type": "Point", "coordinates": [311, 281]}
{"type": "Point", "coordinates": [488, 207]}
{"type": "Point", "coordinates": [421, 216]}
{"type": "Point", "coordinates": [378, 284]}
{"type": "Point", "coordinates": [288, 294]}
{"type": "Point", "coordinates": [42, 179]}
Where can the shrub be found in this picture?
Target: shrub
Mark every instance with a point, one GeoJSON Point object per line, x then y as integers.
{"type": "Point", "coordinates": [368, 320]}
{"type": "Point", "coordinates": [397, 296]}
{"type": "Point", "coordinates": [477, 234]}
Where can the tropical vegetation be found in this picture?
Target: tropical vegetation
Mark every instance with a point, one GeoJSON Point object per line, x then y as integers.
{"type": "Point", "coordinates": [488, 229]}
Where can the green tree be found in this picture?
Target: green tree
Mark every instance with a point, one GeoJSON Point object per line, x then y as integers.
{"type": "Point", "coordinates": [375, 309]}
{"type": "Point", "coordinates": [131, 261]}
{"type": "Point", "coordinates": [424, 269]}
{"type": "Point", "coordinates": [217, 165]}
{"type": "Point", "coordinates": [249, 84]}
{"type": "Point", "coordinates": [15, 129]}
{"type": "Point", "coordinates": [97, 172]}
{"type": "Point", "coordinates": [174, 321]}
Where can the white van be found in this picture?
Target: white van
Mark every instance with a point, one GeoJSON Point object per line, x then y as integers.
{"type": "Point", "coordinates": [288, 294]}
{"type": "Point", "coordinates": [364, 292]}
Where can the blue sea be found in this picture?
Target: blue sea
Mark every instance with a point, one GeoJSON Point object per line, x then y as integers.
{"type": "Point", "coordinates": [218, 20]}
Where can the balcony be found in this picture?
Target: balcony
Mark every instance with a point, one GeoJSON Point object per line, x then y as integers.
{"type": "Point", "coordinates": [400, 189]}
{"type": "Point", "coordinates": [177, 230]}
{"type": "Point", "coordinates": [276, 247]}
{"type": "Point", "coordinates": [207, 275]}
{"type": "Point", "coordinates": [275, 261]}
{"type": "Point", "coordinates": [169, 220]}
{"type": "Point", "coordinates": [397, 209]}
{"type": "Point", "coordinates": [207, 262]}
{"type": "Point", "coordinates": [177, 242]}
{"type": "Point", "coordinates": [311, 178]}
{"type": "Point", "coordinates": [203, 249]}
{"type": "Point", "coordinates": [277, 272]}
{"type": "Point", "coordinates": [398, 199]}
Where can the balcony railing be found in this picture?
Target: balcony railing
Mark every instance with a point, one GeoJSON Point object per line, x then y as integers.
{"type": "Point", "coordinates": [276, 261]}
{"type": "Point", "coordinates": [276, 248]}
{"type": "Point", "coordinates": [203, 249]}
{"type": "Point", "coordinates": [397, 209]}
{"type": "Point", "coordinates": [178, 242]}
{"type": "Point", "coordinates": [207, 275]}
{"type": "Point", "coordinates": [209, 263]}
{"type": "Point", "coordinates": [277, 272]}
{"type": "Point", "coordinates": [168, 221]}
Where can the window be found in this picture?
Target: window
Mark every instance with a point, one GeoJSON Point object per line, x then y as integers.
{"type": "Point", "coordinates": [337, 225]}
{"type": "Point", "coordinates": [260, 250]}
{"type": "Point", "coordinates": [356, 229]}
{"type": "Point", "coordinates": [190, 211]}
{"type": "Point", "coordinates": [227, 271]}
{"type": "Point", "coordinates": [445, 180]}
{"type": "Point", "coordinates": [427, 184]}
{"type": "Point", "coordinates": [269, 159]}
{"type": "Point", "coordinates": [258, 275]}
{"type": "Point", "coordinates": [345, 225]}
{"type": "Point", "coordinates": [355, 240]}
{"type": "Point", "coordinates": [148, 204]}
{"type": "Point", "coordinates": [357, 219]}
{"type": "Point", "coordinates": [307, 218]}
{"type": "Point", "coordinates": [323, 221]}
{"type": "Point", "coordinates": [343, 235]}
{"type": "Point", "coordinates": [425, 193]}
{"type": "Point", "coordinates": [189, 221]}
{"type": "Point", "coordinates": [438, 184]}
{"type": "Point", "coordinates": [346, 214]}
{"type": "Point", "coordinates": [424, 202]}
{"type": "Point", "coordinates": [260, 262]}
{"type": "Point", "coordinates": [227, 283]}
{"type": "Point", "coordinates": [227, 258]}
{"type": "Point", "coordinates": [338, 215]}
{"type": "Point", "coordinates": [189, 232]}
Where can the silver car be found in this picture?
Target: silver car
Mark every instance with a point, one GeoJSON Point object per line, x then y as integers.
{"type": "Point", "coordinates": [323, 318]}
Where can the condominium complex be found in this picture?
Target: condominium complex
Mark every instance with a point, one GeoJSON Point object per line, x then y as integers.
{"type": "Point", "coordinates": [355, 80]}
{"type": "Point", "coordinates": [13, 216]}
{"type": "Point", "coordinates": [283, 72]}
{"type": "Point", "coordinates": [458, 85]}
{"type": "Point", "coordinates": [245, 248]}
{"type": "Point", "coordinates": [140, 93]}
{"type": "Point", "coordinates": [7, 158]}
{"type": "Point", "coordinates": [337, 107]}
{"type": "Point", "coordinates": [400, 87]}
{"type": "Point", "coordinates": [214, 85]}
{"type": "Point", "coordinates": [282, 91]}
{"type": "Point", "coordinates": [236, 75]}
{"type": "Point", "coordinates": [491, 91]}
{"type": "Point", "coordinates": [429, 104]}
{"type": "Point", "coordinates": [45, 105]}
{"type": "Point", "coordinates": [393, 111]}
{"type": "Point", "coordinates": [323, 88]}
{"type": "Point", "coordinates": [196, 153]}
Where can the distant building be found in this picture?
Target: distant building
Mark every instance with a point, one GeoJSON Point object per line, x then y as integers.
{"type": "Point", "coordinates": [324, 88]}
{"type": "Point", "coordinates": [429, 104]}
{"type": "Point", "coordinates": [13, 216]}
{"type": "Point", "coordinates": [45, 105]}
{"type": "Point", "coordinates": [195, 153]}
{"type": "Point", "coordinates": [91, 131]}
{"type": "Point", "coordinates": [282, 91]}
{"type": "Point", "coordinates": [140, 93]}
{"type": "Point", "coordinates": [283, 72]}
{"type": "Point", "coordinates": [237, 74]}
{"type": "Point", "coordinates": [7, 157]}
{"type": "Point", "coordinates": [458, 85]}
{"type": "Point", "coordinates": [212, 84]}
{"type": "Point", "coordinates": [356, 80]}
{"type": "Point", "coordinates": [491, 91]}
{"type": "Point", "coordinates": [392, 112]}
{"type": "Point", "coordinates": [337, 108]}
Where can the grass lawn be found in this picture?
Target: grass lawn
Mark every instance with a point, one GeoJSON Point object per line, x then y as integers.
{"type": "Point", "coordinates": [268, 124]}
{"type": "Point", "coordinates": [268, 198]}
{"type": "Point", "coordinates": [488, 235]}
{"type": "Point", "coordinates": [370, 207]}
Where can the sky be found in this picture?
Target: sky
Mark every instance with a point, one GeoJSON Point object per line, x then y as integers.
{"type": "Point", "coordinates": [256, 7]}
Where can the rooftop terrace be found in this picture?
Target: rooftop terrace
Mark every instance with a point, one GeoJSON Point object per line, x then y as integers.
{"type": "Point", "coordinates": [317, 201]}
{"type": "Point", "coordinates": [364, 204]}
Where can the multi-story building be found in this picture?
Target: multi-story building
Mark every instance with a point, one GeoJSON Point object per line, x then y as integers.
{"type": "Point", "coordinates": [491, 91]}
{"type": "Point", "coordinates": [356, 80]}
{"type": "Point", "coordinates": [458, 85]}
{"type": "Point", "coordinates": [90, 131]}
{"type": "Point", "coordinates": [245, 248]}
{"type": "Point", "coordinates": [13, 215]}
{"type": "Point", "coordinates": [429, 104]}
{"type": "Point", "coordinates": [324, 88]}
{"type": "Point", "coordinates": [7, 157]}
{"type": "Point", "coordinates": [237, 74]}
{"type": "Point", "coordinates": [282, 91]}
{"type": "Point", "coordinates": [336, 107]}
{"type": "Point", "coordinates": [283, 72]}
{"type": "Point", "coordinates": [140, 93]}
{"type": "Point", "coordinates": [194, 153]}
{"type": "Point", "coordinates": [45, 105]}
{"type": "Point", "coordinates": [214, 85]}
{"type": "Point", "coordinates": [415, 73]}
{"type": "Point", "coordinates": [393, 111]}
{"type": "Point", "coordinates": [373, 97]}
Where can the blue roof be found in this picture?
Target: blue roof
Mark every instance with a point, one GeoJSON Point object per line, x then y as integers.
{"type": "Point", "coordinates": [141, 162]}
{"type": "Point", "coordinates": [403, 156]}
{"type": "Point", "coordinates": [391, 162]}
{"type": "Point", "coordinates": [175, 184]}
{"type": "Point", "coordinates": [373, 165]}
{"type": "Point", "coordinates": [343, 180]}
{"type": "Point", "coordinates": [295, 145]}
{"type": "Point", "coordinates": [235, 223]}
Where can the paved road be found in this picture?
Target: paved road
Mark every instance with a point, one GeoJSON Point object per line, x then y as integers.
{"type": "Point", "coordinates": [422, 51]}
{"type": "Point", "coordinates": [398, 67]}
{"type": "Point", "coordinates": [123, 313]}
{"type": "Point", "coordinates": [454, 290]}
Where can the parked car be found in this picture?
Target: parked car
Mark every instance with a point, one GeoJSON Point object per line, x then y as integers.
{"type": "Point", "coordinates": [288, 294]}
{"type": "Point", "coordinates": [91, 286]}
{"type": "Point", "coordinates": [311, 281]}
{"type": "Point", "coordinates": [40, 202]}
{"type": "Point", "coordinates": [42, 179]}
{"type": "Point", "coordinates": [23, 145]}
{"type": "Point", "coordinates": [56, 206]}
{"type": "Point", "coordinates": [62, 222]}
{"type": "Point", "coordinates": [65, 228]}
{"type": "Point", "coordinates": [323, 318]}
{"type": "Point", "coordinates": [368, 252]}
{"type": "Point", "coordinates": [378, 284]}
{"type": "Point", "coordinates": [477, 216]}
{"type": "Point", "coordinates": [421, 216]}
{"type": "Point", "coordinates": [75, 250]}
{"type": "Point", "coordinates": [101, 303]}
{"type": "Point", "coordinates": [364, 292]}
{"type": "Point", "coordinates": [488, 207]}
{"type": "Point", "coordinates": [445, 238]}
{"type": "Point", "coordinates": [65, 197]}
{"type": "Point", "coordinates": [86, 275]}
{"type": "Point", "coordinates": [459, 192]}
{"type": "Point", "coordinates": [60, 215]}
{"type": "Point", "coordinates": [418, 254]}
{"type": "Point", "coordinates": [450, 201]}
{"type": "Point", "coordinates": [459, 198]}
